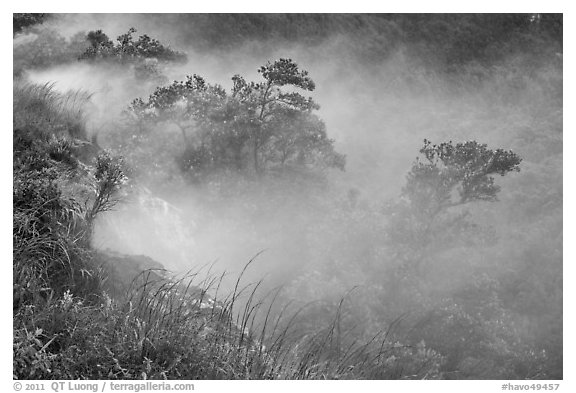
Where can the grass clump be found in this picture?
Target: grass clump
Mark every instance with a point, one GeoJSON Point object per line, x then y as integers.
{"type": "Point", "coordinates": [172, 329]}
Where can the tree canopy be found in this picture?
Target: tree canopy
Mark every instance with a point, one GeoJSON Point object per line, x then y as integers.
{"type": "Point", "coordinates": [424, 222]}
{"type": "Point", "coordinates": [21, 21]}
{"type": "Point", "coordinates": [456, 174]}
{"type": "Point", "coordinates": [127, 49]}
{"type": "Point", "coordinates": [257, 126]}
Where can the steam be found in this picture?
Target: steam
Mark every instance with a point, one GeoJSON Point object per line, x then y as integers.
{"type": "Point", "coordinates": [377, 112]}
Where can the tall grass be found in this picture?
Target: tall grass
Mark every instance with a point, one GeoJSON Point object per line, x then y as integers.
{"type": "Point", "coordinates": [185, 330]}
{"type": "Point", "coordinates": [43, 108]}
{"type": "Point", "coordinates": [177, 328]}
{"type": "Point", "coordinates": [48, 230]}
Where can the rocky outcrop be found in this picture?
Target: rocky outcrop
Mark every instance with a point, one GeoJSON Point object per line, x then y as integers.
{"type": "Point", "coordinates": [121, 271]}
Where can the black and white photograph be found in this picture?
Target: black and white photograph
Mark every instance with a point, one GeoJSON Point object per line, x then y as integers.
{"type": "Point", "coordinates": [287, 196]}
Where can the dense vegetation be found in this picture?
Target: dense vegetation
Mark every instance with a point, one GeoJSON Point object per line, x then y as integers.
{"type": "Point", "coordinates": [458, 277]}
{"type": "Point", "coordinates": [66, 325]}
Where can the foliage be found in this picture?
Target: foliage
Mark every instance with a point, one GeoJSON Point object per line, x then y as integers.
{"type": "Point", "coordinates": [21, 21]}
{"type": "Point", "coordinates": [450, 176]}
{"type": "Point", "coordinates": [53, 210]}
{"type": "Point", "coordinates": [473, 326]}
{"type": "Point", "coordinates": [464, 169]}
{"type": "Point", "coordinates": [43, 47]}
{"type": "Point", "coordinates": [256, 124]}
{"type": "Point", "coordinates": [43, 109]}
{"type": "Point", "coordinates": [446, 42]}
{"type": "Point", "coordinates": [109, 177]}
{"type": "Point", "coordinates": [473, 306]}
{"type": "Point", "coordinates": [456, 39]}
{"type": "Point", "coordinates": [146, 54]}
{"type": "Point", "coordinates": [427, 258]}
{"type": "Point", "coordinates": [128, 50]}
{"type": "Point", "coordinates": [170, 328]}
{"type": "Point", "coordinates": [67, 327]}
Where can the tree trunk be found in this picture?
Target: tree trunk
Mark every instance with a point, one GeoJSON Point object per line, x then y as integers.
{"type": "Point", "coordinates": [186, 144]}
{"type": "Point", "coordinates": [256, 165]}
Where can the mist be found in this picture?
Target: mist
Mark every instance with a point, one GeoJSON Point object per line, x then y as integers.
{"type": "Point", "coordinates": [320, 239]}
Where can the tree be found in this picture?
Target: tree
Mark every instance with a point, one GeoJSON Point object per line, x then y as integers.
{"type": "Point", "coordinates": [453, 175]}
{"type": "Point", "coordinates": [450, 276]}
{"type": "Point", "coordinates": [454, 40]}
{"type": "Point", "coordinates": [108, 179]}
{"type": "Point", "coordinates": [21, 21]}
{"type": "Point", "coordinates": [46, 47]}
{"type": "Point", "coordinates": [147, 55]}
{"type": "Point", "coordinates": [257, 124]}
{"type": "Point", "coordinates": [127, 49]}
{"type": "Point", "coordinates": [450, 175]}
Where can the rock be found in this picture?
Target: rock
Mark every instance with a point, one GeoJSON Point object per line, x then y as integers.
{"type": "Point", "coordinates": [135, 277]}
{"type": "Point", "coordinates": [121, 270]}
